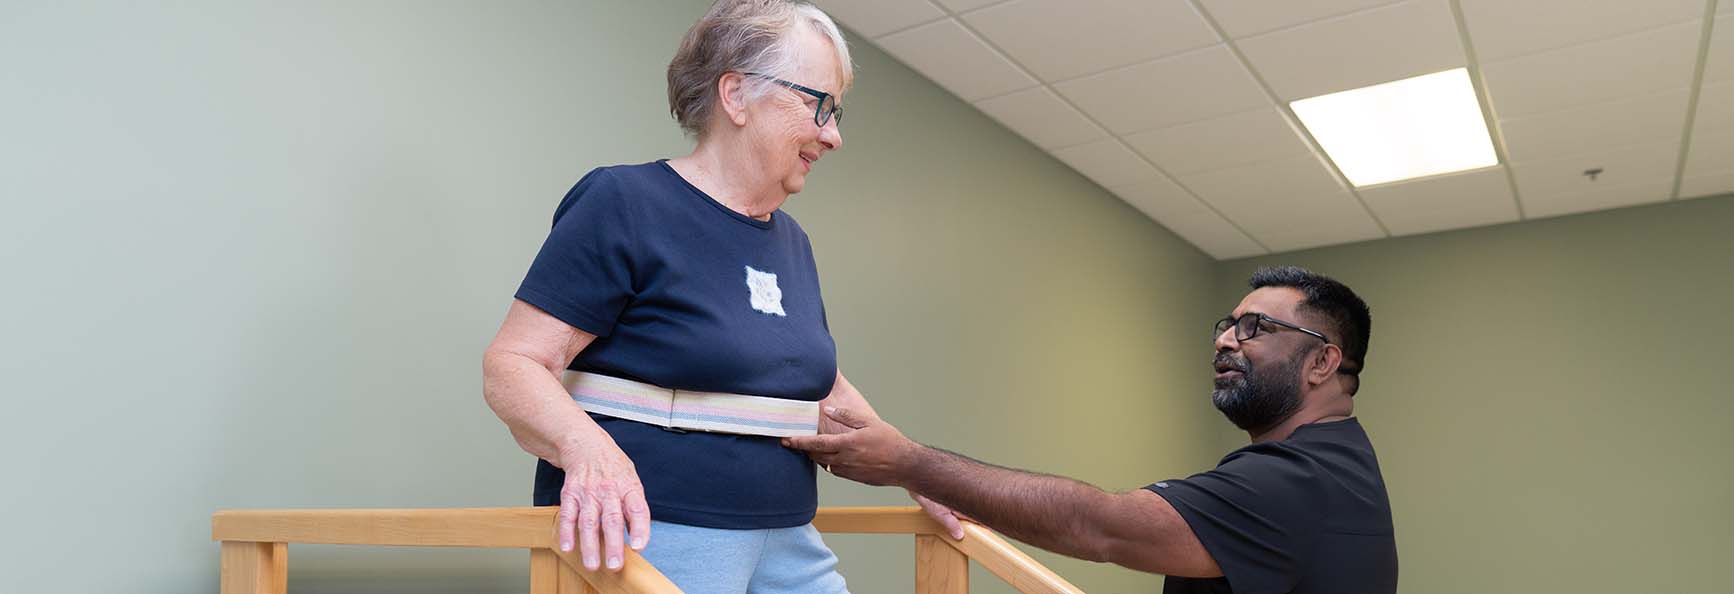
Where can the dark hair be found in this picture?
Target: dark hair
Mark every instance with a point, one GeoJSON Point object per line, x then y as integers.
{"type": "Point", "coordinates": [1351, 322]}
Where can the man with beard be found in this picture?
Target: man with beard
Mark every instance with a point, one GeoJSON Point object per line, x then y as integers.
{"type": "Point", "coordinates": [1301, 510]}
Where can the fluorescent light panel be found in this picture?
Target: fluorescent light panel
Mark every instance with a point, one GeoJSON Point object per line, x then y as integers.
{"type": "Point", "coordinates": [1415, 127]}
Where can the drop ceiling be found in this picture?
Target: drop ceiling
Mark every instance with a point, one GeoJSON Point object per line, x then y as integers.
{"type": "Point", "coordinates": [1180, 107]}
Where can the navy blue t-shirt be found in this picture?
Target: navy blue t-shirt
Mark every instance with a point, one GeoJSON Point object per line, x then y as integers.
{"type": "Point", "coordinates": [684, 293]}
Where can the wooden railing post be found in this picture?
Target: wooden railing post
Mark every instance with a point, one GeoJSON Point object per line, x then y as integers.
{"type": "Point", "coordinates": [572, 582]}
{"type": "Point", "coordinates": [549, 575]}
{"type": "Point", "coordinates": [254, 568]}
{"type": "Point", "coordinates": [939, 568]}
{"type": "Point", "coordinates": [544, 572]}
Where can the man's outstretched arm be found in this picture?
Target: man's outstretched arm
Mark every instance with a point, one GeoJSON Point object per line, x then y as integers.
{"type": "Point", "coordinates": [1139, 529]}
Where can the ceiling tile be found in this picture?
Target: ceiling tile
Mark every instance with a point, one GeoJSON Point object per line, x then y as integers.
{"type": "Point", "coordinates": [1629, 176]}
{"type": "Point", "coordinates": [1188, 87]}
{"type": "Point", "coordinates": [872, 19]}
{"type": "Point", "coordinates": [1215, 236]}
{"type": "Point", "coordinates": [952, 57]}
{"type": "Point", "coordinates": [1337, 211]}
{"type": "Point", "coordinates": [1238, 139]}
{"type": "Point", "coordinates": [1242, 18]}
{"type": "Point", "coordinates": [1636, 64]}
{"type": "Point", "coordinates": [1536, 207]}
{"type": "Point", "coordinates": [1715, 106]}
{"type": "Point", "coordinates": [1719, 64]}
{"type": "Point", "coordinates": [1712, 150]}
{"type": "Point", "coordinates": [1295, 221]}
{"type": "Point", "coordinates": [1503, 29]}
{"type": "Point", "coordinates": [1368, 47]}
{"type": "Point", "coordinates": [1650, 118]}
{"type": "Point", "coordinates": [1060, 39]}
{"type": "Point", "coordinates": [1108, 162]}
{"type": "Point", "coordinates": [1349, 229]}
{"type": "Point", "coordinates": [1262, 183]}
{"type": "Point", "coordinates": [963, 5]}
{"type": "Point", "coordinates": [1620, 166]}
{"type": "Point", "coordinates": [1161, 199]}
{"type": "Point", "coordinates": [1041, 117]}
{"type": "Point", "coordinates": [1702, 186]}
{"type": "Point", "coordinates": [1455, 201]}
{"type": "Point", "coordinates": [1287, 204]}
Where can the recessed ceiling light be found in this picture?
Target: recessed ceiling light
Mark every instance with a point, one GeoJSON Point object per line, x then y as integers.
{"type": "Point", "coordinates": [1415, 127]}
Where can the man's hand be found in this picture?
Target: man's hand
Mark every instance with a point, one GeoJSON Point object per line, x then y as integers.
{"type": "Point", "coordinates": [951, 520]}
{"type": "Point", "coordinates": [868, 450]}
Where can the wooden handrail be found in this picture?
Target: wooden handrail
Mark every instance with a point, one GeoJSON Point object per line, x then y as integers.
{"type": "Point", "coordinates": [503, 527]}
{"type": "Point", "coordinates": [979, 543]}
{"type": "Point", "coordinates": [481, 527]}
{"type": "Point", "coordinates": [875, 520]}
{"type": "Point", "coordinates": [993, 552]}
{"type": "Point", "coordinates": [254, 552]}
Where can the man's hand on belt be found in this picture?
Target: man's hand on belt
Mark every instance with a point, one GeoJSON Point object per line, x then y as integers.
{"type": "Point", "coordinates": [869, 450]}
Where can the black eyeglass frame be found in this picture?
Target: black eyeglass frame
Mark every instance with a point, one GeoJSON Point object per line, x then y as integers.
{"type": "Point", "coordinates": [1239, 325]}
{"type": "Point", "coordinates": [821, 116]}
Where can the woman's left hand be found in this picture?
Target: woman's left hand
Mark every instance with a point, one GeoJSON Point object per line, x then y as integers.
{"type": "Point", "coordinates": [844, 396]}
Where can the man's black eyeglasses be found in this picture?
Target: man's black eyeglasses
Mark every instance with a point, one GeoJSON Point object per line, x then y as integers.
{"type": "Point", "coordinates": [1250, 324]}
{"type": "Point", "coordinates": [827, 108]}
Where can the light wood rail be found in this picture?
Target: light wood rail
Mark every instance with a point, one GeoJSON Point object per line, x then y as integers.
{"type": "Point", "coordinates": [254, 546]}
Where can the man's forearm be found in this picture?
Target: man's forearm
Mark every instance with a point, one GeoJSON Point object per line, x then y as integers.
{"type": "Point", "coordinates": [1051, 512]}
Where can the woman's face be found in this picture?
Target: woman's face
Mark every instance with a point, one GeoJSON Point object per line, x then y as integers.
{"type": "Point", "coordinates": [787, 141]}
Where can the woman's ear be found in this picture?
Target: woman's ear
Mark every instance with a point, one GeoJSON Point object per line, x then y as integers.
{"type": "Point", "coordinates": [732, 97]}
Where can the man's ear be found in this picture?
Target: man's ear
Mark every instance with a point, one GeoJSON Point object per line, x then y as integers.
{"type": "Point", "coordinates": [1325, 364]}
{"type": "Point", "coordinates": [731, 94]}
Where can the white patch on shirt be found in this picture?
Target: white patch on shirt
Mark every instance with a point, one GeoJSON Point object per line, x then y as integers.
{"type": "Point", "coordinates": [766, 296]}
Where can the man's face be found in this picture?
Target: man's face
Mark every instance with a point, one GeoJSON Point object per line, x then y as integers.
{"type": "Point", "coordinates": [1258, 382]}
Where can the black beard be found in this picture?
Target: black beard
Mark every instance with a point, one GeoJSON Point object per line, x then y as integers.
{"type": "Point", "coordinates": [1257, 400]}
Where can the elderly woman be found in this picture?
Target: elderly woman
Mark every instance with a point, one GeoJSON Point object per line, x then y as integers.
{"type": "Point", "coordinates": [671, 328]}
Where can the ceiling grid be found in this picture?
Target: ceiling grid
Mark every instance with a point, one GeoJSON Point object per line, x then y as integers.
{"type": "Point", "coordinates": [1181, 107]}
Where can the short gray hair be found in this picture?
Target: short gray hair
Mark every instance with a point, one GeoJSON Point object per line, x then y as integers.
{"type": "Point", "coordinates": [742, 36]}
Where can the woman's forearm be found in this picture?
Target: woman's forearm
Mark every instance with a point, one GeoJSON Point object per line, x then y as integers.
{"type": "Point", "coordinates": [535, 407]}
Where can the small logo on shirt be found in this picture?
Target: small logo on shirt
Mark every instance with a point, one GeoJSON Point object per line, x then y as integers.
{"type": "Point", "coordinates": [1161, 485]}
{"type": "Point", "coordinates": [762, 289]}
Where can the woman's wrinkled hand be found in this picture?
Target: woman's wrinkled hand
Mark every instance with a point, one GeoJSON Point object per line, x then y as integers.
{"type": "Point", "coordinates": [601, 503]}
{"type": "Point", "coordinates": [845, 396]}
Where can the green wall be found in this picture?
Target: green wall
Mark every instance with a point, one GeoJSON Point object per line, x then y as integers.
{"type": "Point", "coordinates": [253, 252]}
{"type": "Point", "coordinates": [1549, 399]}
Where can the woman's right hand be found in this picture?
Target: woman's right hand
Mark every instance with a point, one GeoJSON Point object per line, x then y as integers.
{"type": "Point", "coordinates": [602, 498]}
